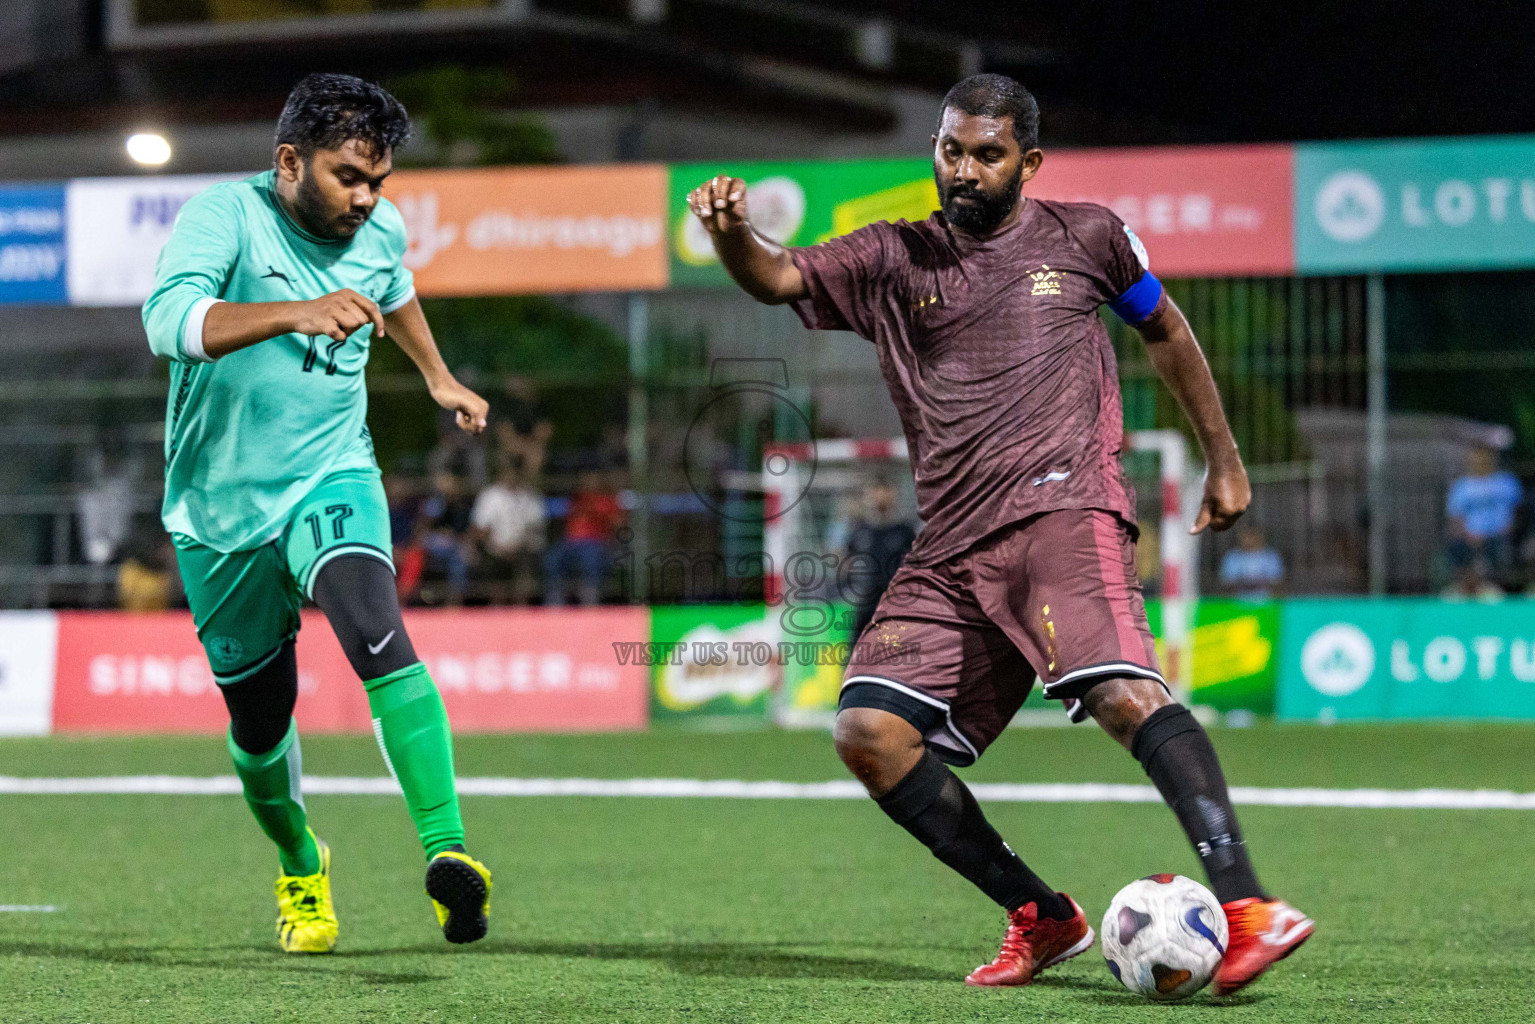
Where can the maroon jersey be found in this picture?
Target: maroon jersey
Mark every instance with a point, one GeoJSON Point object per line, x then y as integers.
{"type": "Point", "coordinates": [995, 356]}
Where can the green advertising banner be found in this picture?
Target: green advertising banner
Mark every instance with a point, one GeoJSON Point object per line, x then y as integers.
{"type": "Point", "coordinates": [1235, 655]}
{"type": "Point", "coordinates": [723, 665]}
{"type": "Point", "coordinates": [712, 665]}
{"type": "Point", "coordinates": [1425, 204]}
{"type": "Point", "coordinates": [812, 671]}
{"type": "Point", "coordinates": [796, 203]}
{"type": "Point", "coordinates": [1407, 658]}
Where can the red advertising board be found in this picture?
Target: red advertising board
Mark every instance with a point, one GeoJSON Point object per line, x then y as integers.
{"type": "Point", "coordinates": [498, 670]}
{"type": "Point", "coordinates": [1201, 210]}
{"type": "Point", "coordinates": [535, 668]}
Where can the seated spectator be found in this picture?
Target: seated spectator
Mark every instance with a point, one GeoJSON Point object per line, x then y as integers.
{"type": "Point", "coordinates": [146, 580]}
{"type": "Point", "coordinates": [458, 453]}
{"type": "Point", "coordinates": [586, 547]}
{"type": "Point", "coordinates": [1252, 571]}
{"type": "Point", "coordinates": [1480, 518]}
{"type": "Point", "coordinates": [507, 528]}
{"type": "Point", "coordinates": [409, 555]}
{"type": "Point", "coordinates": [442, 531]}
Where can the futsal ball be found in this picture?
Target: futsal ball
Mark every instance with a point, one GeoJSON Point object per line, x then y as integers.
{"type": "Point", "coordinates": [1164, 936]}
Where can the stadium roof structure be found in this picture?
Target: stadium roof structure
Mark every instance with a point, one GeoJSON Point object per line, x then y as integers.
{"type": "Point", "coordinates": [1107, 74]}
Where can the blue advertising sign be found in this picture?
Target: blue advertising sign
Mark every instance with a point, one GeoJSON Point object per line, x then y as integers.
{"type": "Point", "coordinates": [1416, 204]}
{"type": "Point", "coordinates": [1407, 658]}
{"type": "Point", "coordinates": [32, 263]}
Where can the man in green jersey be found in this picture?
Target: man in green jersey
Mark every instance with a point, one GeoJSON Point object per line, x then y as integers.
{"type": "Point", "coordinates": [267, 298]}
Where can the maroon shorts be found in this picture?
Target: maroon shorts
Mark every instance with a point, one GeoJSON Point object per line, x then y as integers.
{"type": "Point", "coordinates": [954, 648]}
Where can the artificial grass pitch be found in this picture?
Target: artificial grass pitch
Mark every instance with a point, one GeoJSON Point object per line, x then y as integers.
{"type": "Point", "coordinates": [624, 910]}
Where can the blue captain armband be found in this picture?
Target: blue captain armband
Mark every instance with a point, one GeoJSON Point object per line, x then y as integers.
{"type": "Point", "coordinates": [1139, 301]}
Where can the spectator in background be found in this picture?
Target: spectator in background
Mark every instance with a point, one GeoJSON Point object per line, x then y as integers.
{"type": "Point", "coordinates": [409, 555]}
{"type": "Point", "coordinates": [458, 453]}
{"type": "Point", "coordinates": [613, 450]}
{"type": "Point", "coordinates": [104, 504]}
{"type": "Point", "coordinates": [507, 528]}
{"type": "Point", "coordinates": [877, 543]}
{"type": "Point", "coordinates": [1253, 570]}
{"type": "Point", "coordinates": [1480, 513]}
{"type": "Point", "coordinates": [443, 531]}
{"type": "Point", "coordinates": [145, 582]}
{"type": "Point", "coordinates": [586, 547]}
{"type": "Point", "coordinates": [521, 427]}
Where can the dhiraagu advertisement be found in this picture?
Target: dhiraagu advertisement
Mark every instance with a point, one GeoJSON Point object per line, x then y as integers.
{"type": "Point", "coordinates": [713, 665]}
{"type": "Point", "coordinates": [796, 203]}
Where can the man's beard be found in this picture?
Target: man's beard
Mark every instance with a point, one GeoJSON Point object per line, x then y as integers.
{"type": "Point", "coordinates": [309, 206]}
{"type": "Point", "coordinates": [988, 210]}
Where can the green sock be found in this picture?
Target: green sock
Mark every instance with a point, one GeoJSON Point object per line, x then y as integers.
{"type": "Point", "coordinates": [412, 730]}
{"type": "Point", "coordinates": [271, 782]}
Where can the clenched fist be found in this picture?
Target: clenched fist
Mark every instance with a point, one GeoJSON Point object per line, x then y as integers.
{"type": "Point", "coordinates": [1227, 495]}
{"type": "Point", "coordinates": [720, 204]}
{"type": "Point", "coordinates": [337, 315]}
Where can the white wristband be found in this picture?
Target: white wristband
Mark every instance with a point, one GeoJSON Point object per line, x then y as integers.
{"type": "Point", "coordinates": [192, 334]}
{"type": "Point", "coordinates": [397, 303]}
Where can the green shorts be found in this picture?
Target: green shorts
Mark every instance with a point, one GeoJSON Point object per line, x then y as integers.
{"type": "Point", "coordinates": [245, 604]}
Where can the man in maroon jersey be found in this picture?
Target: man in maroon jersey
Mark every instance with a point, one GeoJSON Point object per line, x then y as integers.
{"type": "Point", "coordinates": [985, 319]}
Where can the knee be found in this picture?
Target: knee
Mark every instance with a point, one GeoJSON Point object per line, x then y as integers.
{"type": "Point", "coordinates": [867, 738]}
{"type": "Point", "coordinates": [261, 705]}
{"type": "Point", "coordinates": [1120, 706]}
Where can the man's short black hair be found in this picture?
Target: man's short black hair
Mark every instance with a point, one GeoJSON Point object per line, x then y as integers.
{"type": "Point", "coordinates": [997, 96]}
{"type": "Point", "coordinates": [327, 111]}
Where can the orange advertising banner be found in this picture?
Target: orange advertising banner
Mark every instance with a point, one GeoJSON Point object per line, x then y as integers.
{"type": "Point", "coordinates": [521, 230]}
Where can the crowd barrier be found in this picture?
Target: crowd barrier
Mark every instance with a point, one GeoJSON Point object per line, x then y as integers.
{"type": "Point", "coordinates": [592, 669]}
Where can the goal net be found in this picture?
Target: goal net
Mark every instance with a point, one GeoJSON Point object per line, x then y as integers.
{"type": "Point", "coordinates": [815, 492]}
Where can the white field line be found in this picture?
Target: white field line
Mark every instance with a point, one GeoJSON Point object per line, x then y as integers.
{"type": "Point", "coordinates": [27, 908]}
{"type": "Point", "coordinates": [733, 789]}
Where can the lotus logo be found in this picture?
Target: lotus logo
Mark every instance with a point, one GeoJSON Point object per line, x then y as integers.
{"type": "Point", "coordinates": [1350, 206]}
{"type": "Point", "coordinates": [1337, 659]}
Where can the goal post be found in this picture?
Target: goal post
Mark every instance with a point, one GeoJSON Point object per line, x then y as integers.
{"type": "Point", "coordinates": [808, 487]}
{"type": "Point", "coordinates": [1178, 552]}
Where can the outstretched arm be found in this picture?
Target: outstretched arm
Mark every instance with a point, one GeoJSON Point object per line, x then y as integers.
{"type": "Point", "coordinates": [1177, 358]}
{"type": "Point", "coordinates": [409, 329]}
{"type": "Point", "coordinates": [763, 268]}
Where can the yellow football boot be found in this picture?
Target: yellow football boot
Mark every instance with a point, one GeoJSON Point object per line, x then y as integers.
{"type": "Point", "coordinates": [459, 887]}
{"type": "Point", "coordinates": [306, 920]}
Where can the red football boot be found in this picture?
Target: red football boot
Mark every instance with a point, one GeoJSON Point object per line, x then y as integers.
{"type": "Point", "coordinates": [1032, 944]}
{"type": "Point", "coordinates": [1263, 932]}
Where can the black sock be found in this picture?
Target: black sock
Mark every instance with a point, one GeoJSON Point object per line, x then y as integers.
{"type": "Point", "coordinates": [932, 804]}
{"type": "Point", "coordinates": [1177, 754]}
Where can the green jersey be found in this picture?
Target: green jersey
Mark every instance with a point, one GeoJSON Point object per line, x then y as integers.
{"type": "Point", "coordinates": [249, 435]}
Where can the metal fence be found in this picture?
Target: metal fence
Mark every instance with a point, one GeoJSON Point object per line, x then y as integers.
{"type": "Point", "coordinates": [1291, 358]}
